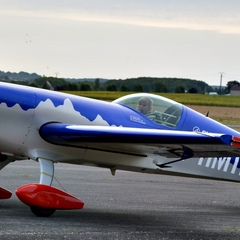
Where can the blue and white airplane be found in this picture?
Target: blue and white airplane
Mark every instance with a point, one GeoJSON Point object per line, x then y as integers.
{"type": "Point", "coordinates": [138, 132]}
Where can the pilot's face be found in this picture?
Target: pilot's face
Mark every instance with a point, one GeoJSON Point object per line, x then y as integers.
{"type": "Point", "coordinates": [144, 106]}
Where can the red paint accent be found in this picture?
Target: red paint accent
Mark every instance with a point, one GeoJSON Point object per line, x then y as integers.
{"type": "Point", "coordinates": [4, 193]}
{"type": "Point", "coordinates": [236, 141]}
{"type": "Point", "coordinates": [47, 197]}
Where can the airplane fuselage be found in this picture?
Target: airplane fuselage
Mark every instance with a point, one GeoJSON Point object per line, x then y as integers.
{"type": "Point", "coordinates": [24, 110]}
{"type": "Point", "coordinates": [49, 127]}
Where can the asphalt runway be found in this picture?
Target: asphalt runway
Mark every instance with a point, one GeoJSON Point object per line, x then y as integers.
{"type": "Point", "coordinates": [127, 206]}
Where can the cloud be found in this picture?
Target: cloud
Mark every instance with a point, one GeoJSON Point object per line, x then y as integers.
{"type": "Point", "coordinates": [227, 23]}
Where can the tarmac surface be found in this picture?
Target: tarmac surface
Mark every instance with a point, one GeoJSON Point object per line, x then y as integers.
{"type": "Point", "coordinates": [126, 206]}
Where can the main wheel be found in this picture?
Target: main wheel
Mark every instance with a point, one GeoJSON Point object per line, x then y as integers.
{"type": "Point", "coordinates": [42, 212]}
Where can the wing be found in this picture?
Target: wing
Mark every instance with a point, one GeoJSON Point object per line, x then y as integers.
{"type": "Point", "coordinates": [140, 141]}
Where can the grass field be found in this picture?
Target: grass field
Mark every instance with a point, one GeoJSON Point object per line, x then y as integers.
{"type": "Point", "coordinates": [184, 98]}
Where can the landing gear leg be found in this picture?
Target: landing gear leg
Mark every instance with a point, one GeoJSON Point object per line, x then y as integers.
{"type": "Point", "coordinates": [46, 171]}
{"type": "Point", "coordinates": [46, 177]}
{"type": "Point", "coordinates": [42, 198]}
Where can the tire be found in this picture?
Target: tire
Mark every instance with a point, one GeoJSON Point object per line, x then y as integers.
{"type": "Point", "coordinates": [42, 212]}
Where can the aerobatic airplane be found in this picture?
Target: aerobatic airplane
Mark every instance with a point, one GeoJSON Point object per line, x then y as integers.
{"type": "Point", "coordinates": [139, 132]}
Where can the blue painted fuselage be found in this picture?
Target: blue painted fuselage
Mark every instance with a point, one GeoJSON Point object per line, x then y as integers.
{"type": "Point", "coordinates": [24, 110]}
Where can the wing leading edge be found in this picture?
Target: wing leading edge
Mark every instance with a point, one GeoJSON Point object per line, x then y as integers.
{"type": "Point", "coordinates": [65, 134]}
{"type": "Point", "coordinates": [141, 142]}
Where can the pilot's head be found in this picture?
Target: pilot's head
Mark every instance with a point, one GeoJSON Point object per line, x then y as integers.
{"type": "Point", "coordinates": [145, 105]}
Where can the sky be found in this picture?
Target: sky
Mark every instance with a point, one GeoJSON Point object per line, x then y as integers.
{"type": "Point", "coordinates": [116, 39]}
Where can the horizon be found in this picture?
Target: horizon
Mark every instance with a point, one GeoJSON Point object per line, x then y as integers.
{"type": "Point", "coordinates": [67, 78]}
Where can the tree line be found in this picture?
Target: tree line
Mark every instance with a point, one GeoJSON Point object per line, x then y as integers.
{"type": "Point", "coordinates": [141, 84]}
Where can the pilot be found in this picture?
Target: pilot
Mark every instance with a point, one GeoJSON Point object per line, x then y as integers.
{"type": "Point", "coordinates": [145, 106]}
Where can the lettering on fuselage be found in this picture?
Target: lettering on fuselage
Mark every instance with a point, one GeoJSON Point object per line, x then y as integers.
{"type": "Point", "coordinates": [136, 119]}
{"type": "Point", "coordinates": [225, 164]}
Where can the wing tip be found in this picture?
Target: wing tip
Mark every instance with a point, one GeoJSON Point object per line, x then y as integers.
{"type": "Point", "coordinates": [236, 141]}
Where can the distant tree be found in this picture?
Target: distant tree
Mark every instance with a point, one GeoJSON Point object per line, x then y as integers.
{"type": "Point", "coordinates": [112, 87]}
{"type": "Point", "coordinates": [192, 90]}
{"type": "Point", "coordinates": [179, 89]}
{"type": "Point", "coordinates": [230, 84]}
{"type": "Point", "coordinates": [59, 88]}
{"type": "Point", "coordinates": [45, 86]}
{"type": "Point", "coordinates": [85, 87]}
{"type": "Point", "coordinates": [137, 88]}
{"type": "Point", "coordinates": [160, 87]}
{"type": "Point", "coordinates": [124, 89]}
{"type": "Point", "coordinates": [51, 83]}
{"type": "Point", "coordinates": [5, 78]}
{"type": "Point", "coordinates": [33, 84]}
{"type": "Point", "coordinates": [26, 83]}
{"type": "Point", "coordinates": [71, 87]}
{"type": "Point", "coordinates": [97, 84]}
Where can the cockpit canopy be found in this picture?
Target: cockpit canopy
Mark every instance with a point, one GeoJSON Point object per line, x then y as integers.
{"type": "Point", "coordinates": [158, 109]}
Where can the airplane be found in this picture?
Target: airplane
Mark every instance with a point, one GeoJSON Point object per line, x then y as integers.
{"type": "Point", "coordinates": [49, 127]}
